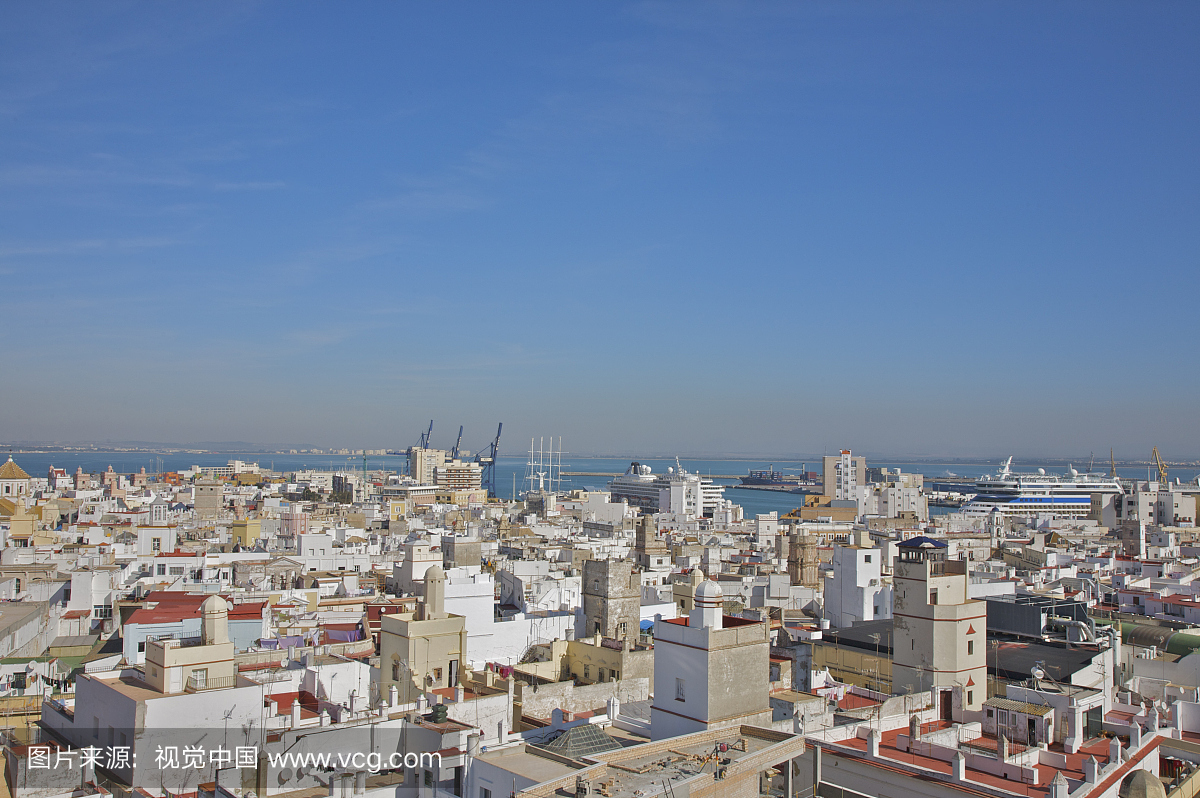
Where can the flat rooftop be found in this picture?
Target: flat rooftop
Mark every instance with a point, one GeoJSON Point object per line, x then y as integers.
{"type": "Point", "coordinates": [641, 771]}
{"type": "Point", "coordinates": [531, 765]}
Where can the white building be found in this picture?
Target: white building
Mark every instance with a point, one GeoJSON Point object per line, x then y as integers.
{"type": "Point", "coordinates": [856, 590]}
{"type": "Point", "coordinates": [710, 671]}
{"type": "Point", "coordinates": [939, 632]}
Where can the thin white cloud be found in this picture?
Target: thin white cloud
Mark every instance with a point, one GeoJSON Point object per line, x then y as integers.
{"type": "Point", "coordinates": [250, 185]}
{"type": "Point", "coordinates": [49, 249]}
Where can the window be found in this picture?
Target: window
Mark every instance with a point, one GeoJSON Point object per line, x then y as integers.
{"type": "Point", "coordinates": [970, 647]}
{"type": "Point", "coordinates": [177, 570]}
{"type": "Point", "coordinates": [162, 569]}
{"type": "Point", "coordinates": [933, 596]}
{"type": "Point", "coordinates": [587, 671]}
{"type": "Point", "coordinates": [437, 675]}
{"type": "Point", "coordinates": [680, 690]}
{"type": "Point", "coordinates": [484, 792]}
{"type": "Point", "coordinates": [991, 713]}
{"type": "Point", "coordinates": [867, 558]}
{"type": "Point", "coordinates": [429, 778]}
{"type": "Point", "coordinates": [395, 670]}
{"type": "Point", "coordinates": [970, 697]}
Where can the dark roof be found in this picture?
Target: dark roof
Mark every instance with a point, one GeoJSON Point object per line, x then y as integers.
{"type": "Point", "coordinates": [859, 636]}
{"type": "Point", "coordinates": [1017, 659]}
{"type": "Point", "coordinates": [1016, 656]}
{"type": "Point", "coordinates": [923, 542]}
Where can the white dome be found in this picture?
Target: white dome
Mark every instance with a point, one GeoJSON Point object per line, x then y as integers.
{"type": "Point", "coordinates": [435, 572]}
{"type": "Point", "coordinates": [709, 593]}
{"type": "Point", "coordinates": [214, 604]}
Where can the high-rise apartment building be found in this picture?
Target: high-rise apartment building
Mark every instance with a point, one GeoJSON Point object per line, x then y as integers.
{"type": "Point", "coordinates": [424, 463]}
{"type": "Point", "coordinates": [841, 473]}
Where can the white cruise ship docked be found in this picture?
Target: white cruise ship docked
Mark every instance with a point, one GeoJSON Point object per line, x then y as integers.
{"type": "Point", "coordinates": [1013, 494]}
{"type": "Point", "coordinates": [676, 491]}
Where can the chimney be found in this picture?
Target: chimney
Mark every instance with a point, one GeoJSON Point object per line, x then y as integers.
{"type": "Point", "coordinates": [873, 744]}
{"type": "Point", "coordinates": [914, 729]}
{"type": "Point", "coordinates": [1152, 716]}
{"type": "Point", "coordinates": [325, 719]}
{"type": "Point", "coordinates": [1135, 736]}
{"type": "Point", "coordinates": [393, 695]}
{"type": "Point", "coordinates": [960, 767]}
{"type": "Point", "coordinates": [460, 694]}
{"type": "Point", "coordinates": [1059, 787]}
{"type": "Point", "coordinates": [1090, 770]}
{"type": "Point", "coordinates": [1114, 750]}
{"type": "Point", "coordinates": [295, 712]}
{"type": "Point", "coordinates": [1003, 748]}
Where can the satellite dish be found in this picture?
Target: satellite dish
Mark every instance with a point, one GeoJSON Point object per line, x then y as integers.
{"type": "Point", "coordinates": [1071, 470]}
{"type": "Point", "coordinates": [1042, 471]}
{"type": "Point", "coordinates": [1038, 673]}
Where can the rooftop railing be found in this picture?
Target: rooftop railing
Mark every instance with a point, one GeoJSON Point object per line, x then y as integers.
{"type": "Point", "coordinates": [197, 683]}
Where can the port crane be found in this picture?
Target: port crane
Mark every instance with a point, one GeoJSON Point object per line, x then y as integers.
{"type": "Point", "coordinates": [1160, 465]}
{"type": "Point", "coordinates": [1112, 465]}
{"type": "Point", "coordinates": [457, 444]}
{"type": "Point", "coordinates": [487, 458]}
{"type": "Point", "coordinates": [425, 436]}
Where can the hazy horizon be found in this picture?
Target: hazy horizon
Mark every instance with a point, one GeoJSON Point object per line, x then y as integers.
{"type": "Point", "coordinates": [508, 450]}
{"type": "Point", "coordinates": [648, 227]}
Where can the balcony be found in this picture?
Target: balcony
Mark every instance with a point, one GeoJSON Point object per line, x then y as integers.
{"type": "Point", "coordinates": [198, 683]}
{"type": "Point", "coordinates": [947, 567]}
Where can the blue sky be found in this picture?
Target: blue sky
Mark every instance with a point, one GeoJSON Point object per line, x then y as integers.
{"type": "Point", "coordinates": [907, 228]}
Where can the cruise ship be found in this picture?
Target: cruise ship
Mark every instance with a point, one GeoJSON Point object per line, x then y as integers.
{"type": "Point", "coordinates": [642, 488]}
{"type": "Point", "coordinates": [1013, 494]}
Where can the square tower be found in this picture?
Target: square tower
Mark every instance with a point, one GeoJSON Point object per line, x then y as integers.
{"type": "Point", "coordinates": [939, 632]}
{"type": "Point", "coordinates": [612, 599]}
{"type": "Point", "coordinates": [710, 669]}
